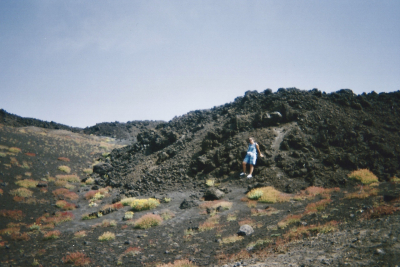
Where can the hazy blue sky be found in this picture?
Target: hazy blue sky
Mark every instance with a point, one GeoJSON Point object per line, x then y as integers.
{"type": "Point", "coordinates": [84, 62]}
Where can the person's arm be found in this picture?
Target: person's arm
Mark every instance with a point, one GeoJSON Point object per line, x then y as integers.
{"type": "Point", "coordinates": [259, 152]}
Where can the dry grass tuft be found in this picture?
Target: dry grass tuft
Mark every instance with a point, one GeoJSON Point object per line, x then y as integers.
{"type": "Point", "coordinates": [178, 263]}
{"type": "Point", "coordinates": [209, 224]}
{"type": "Point", "coordinates": [30, 154]}
{"type": "Point", "coordinates": [231, 239]}
{"type": "Point", "coordinates": [380, 211]}
{"type": "Point", "coordinates": [27, 183]}
{"type": "Point", "coordinates": [21, 192]}
{"type": "Point", "coordinates": [63, 159]}
{"type": "Point", "coordinates": [72, 178]}
{"type": "Point", "coordinates": [364, 176]}
{"type": "Point", "coordinates": [80, 234]}
{"type": "Point", "coordinates": [317, 206]}
{"type": "Point", "coordinates": [305, 231]}
{"type": "Point", "coordinates": [268, 195]}
{"type": "Point", "coordinates": [291, 219]}
{"type": "Point", "coordinates": [264, 212]}
{"type": "Point", "coordinates": [65, 193]}
{"type": "Point", "coordinates": [52, 235]}
{"type": "Point", "coordinates": [14, 150]}
{"type": "Point", "coordinates": [167, 214]}
{"type": "Point", "coordinates": [64, 168]}
{"type": "Point", "coordinates": [77, 259]}
{"type": "Point", "coordinates": [58, 218]}
{"type": "Point", "coordinates": [10, 230]}
{"type": "Point", "coordinates": [365, 192]}
{"type": "Point", "coordinates": [107, 236]}
{"type": "Point", "coordinates": [13, 214]}
{"type": "Point", "coordinates": [144, 204]}
{"type": "Point", "coordinates": [20, 236]}
{"type": "Point", "coordinates": [88, 170]}
{"type": "Point", "coordinates": [127, 201]}
{"type": "Point", "coordinates": [62, 204]}
{"type": "Point", "coordinates": [148, 220]}
{"type": "Point", "coordinates": [131, 251]}
{"type": "Point", "coordinates": [108, 223]}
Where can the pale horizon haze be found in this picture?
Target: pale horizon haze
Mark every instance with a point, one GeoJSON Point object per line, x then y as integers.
{"type": "Point", "coordinates": [84, 62]}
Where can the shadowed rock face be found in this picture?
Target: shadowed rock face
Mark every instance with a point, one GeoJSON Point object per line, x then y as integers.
{"type": "Point", "coordinates": [307, 137]}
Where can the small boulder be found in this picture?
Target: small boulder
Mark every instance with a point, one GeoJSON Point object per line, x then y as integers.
{"type": "Point", "coordinates": [245, 230]}
{"type": "Point", "coordinates": [213, 194]}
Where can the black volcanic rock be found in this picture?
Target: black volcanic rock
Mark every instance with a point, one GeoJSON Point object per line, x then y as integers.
{"type": "Point", "coordinates": [308, 137]}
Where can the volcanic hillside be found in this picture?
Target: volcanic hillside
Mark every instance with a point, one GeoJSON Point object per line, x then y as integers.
{"type": "Point", "coordinates": [307, 137]}
{"type": "Point", "coordinates": [327, 191]}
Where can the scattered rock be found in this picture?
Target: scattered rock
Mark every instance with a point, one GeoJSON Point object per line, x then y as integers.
{"type": "Point", "coordinates": [187, 204]}
{"type": "Point", "coordinates": [245, 230]}
{"type": "Point", "coordinates": [213, 194]}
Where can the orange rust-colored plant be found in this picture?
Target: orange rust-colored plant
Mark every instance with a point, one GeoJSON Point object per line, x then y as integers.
{"type": "Point", "coordinates": [62, 204]}
{"type": "Point", "coordinates": [317, 206]}
{"type": "Point", "coordinates": [77, 259]}
{"type": "Point", "coordinates": [13, 214]}
{"type": "Point", "coordinates": [63, 192]}
{"type": "Point", "coordinates": [52, 235]}
{"type": "Point", "coordinates": [380, 211]}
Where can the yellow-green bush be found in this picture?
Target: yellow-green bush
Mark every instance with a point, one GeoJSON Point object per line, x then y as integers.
{"type": "Point", "coordinates": [144, 204]}
{"type": "Point", "coordinates": [364, 176]}
{"type": "Point", "coordinates": [148, 220]}
{"type": "Point", "coordinates": [268, 195]}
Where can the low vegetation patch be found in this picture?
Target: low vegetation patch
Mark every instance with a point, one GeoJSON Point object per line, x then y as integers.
{"type": "Point", "coordinates": [305, 231]}
{"type": "Point", "coordinates": [13, 214]}
{"type": "Point", "coordinates": [14, 150]}
{"type": "Point", "coordinates": [21, 192]}
{"type": "Point", "coordinates": [317, 206]}
{"type": "Point", "coordinates": [364, 176]}
{"type": "Point", "coordinates": [52, 235]}
{"type": "Point", "coordinates": [27, 183]}
{"type": "Point", "coordinates": [148, 220]}
{"type": "Point", "coordinates": [62, 204]}
{"type": "Point", "coordinates": [144, 204]}
{"type": "Point", "coordinates": [20, 236]}
{"type": "Point", "coordinates": [380, 211]}
{"type": "Point", "coordinates": [58, 218]}
{"type": "Point", "coordinates": [64, 168]}
{"type": "Point", "coordinates": [231, 239]}
{"type": "Point", "coordinates": [63, 159]}
{"type": "Point", "coordinates": [108, 223]}
{"type": "Point", "coordinates": [129, 252]}
{"type": "Point", "coordinates": [291, 219]}
{"type": "Point", "coordinates": [364, 192]}
{"type": "Point", "coordinates": [72, 178]}
{"type": "Point", "coordinates": [267, 194]}
{"type": "Point", "coordinates": [178, 263]}
{"type": "Point", "coordinates": [65, 193]}
{"type": "Point", "coordinates": [77, 259]}
{"type": "Point", "coordinates": [167, 214]}
{"type": "Point", "coordinates": [209, 224]}
{"type": "Point", "coordinates": [128, 215]}
{"type": "Point", "coordinates": [264, 212]}
{"type": "Point", "coordinates": [80, 234]}
{"type": "Point", "coordinates": [127, 201]}
{"type": "Point", "coordinates": [107, 236]}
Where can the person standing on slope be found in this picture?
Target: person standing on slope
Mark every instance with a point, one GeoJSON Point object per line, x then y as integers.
{"type": "Point", "coordinates": [251, 157]}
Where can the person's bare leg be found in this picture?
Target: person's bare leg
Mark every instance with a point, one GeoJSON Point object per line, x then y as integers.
{"type": "Point", "coordinates": [244, 166]}
{"type": "Point", "coordinates": [251, 169]}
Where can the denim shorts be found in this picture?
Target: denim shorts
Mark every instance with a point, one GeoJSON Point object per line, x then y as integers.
{"type": "Point", "coordinates": [250, 158]}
